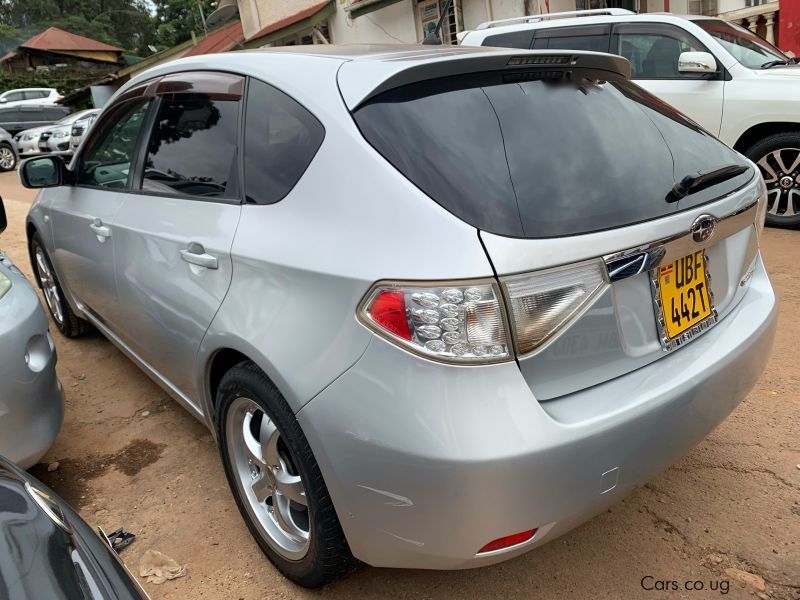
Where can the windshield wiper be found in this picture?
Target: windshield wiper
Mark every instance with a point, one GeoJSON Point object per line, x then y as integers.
{"type": "Point", "coordinates": [695, 183]}
{"type": "Point", "coordinates": [775, 63]}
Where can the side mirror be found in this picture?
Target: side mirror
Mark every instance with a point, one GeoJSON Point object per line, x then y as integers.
{"type": "Point", "coordinates": [3, 220]}
{"type": "Point", "coordinates": [3, 100]}
{"type": "Point", "coordinates": [44, 172]}
{"type": "Point", "coordinates": [697, 62]}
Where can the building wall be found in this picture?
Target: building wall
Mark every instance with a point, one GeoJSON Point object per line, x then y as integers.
{"type": "Point", "coordinates": [257, 14]}
{"type": "Point", "coordinates": [393, 24]}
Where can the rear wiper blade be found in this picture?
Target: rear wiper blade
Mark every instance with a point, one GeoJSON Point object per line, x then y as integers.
{"type": "Point", "coordinates": [695, 183]}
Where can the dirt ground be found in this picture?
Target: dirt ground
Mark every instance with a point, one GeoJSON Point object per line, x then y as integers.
{"type": "Point", "coordinates": [131, 457]}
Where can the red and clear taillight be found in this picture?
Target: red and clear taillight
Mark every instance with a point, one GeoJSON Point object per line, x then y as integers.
{"type": "Point", "coordinates": [460, 323]}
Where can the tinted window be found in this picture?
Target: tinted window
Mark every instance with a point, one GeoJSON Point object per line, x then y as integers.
{"type": "Point", "coordinates": [592, 37]}
{"type": "Point", "coordinates": [654, 50]}
{"type": "Point", "coordinates": [536, 156]}
{"type": "Point", "coordinates": [514, 39]}
{"type": "Point", "coordinates": [193, 147]}
{"type": "Point", "coordinates": [14, 96]}
{"type": "Point", "coordinates": [281, 137]}
{"type": "Point", "coordinates": [107, 159]}
{"type": "Point", "coordinates": [35, 94]}
{"type": "Point", "coordinates": [9, 115]}
{"type": "Point", "coordinates": [54, 113]}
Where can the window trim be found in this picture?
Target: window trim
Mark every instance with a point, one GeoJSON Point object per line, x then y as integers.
{"type": "Point", "coordinates": [664, 29]}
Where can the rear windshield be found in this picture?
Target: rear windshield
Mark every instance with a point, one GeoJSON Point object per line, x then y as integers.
{"type": "Point", "coordinates": [543, 154]}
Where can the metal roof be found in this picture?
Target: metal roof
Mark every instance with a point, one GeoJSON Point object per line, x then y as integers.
{"type": "Point", "coordinates": [56, 39]}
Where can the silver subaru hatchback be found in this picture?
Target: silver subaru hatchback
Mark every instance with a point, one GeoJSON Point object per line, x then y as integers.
{"type": "Point", "coordinates": [402, 284]}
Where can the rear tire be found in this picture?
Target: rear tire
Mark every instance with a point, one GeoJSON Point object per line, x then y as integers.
{"type": "Point", "coordinates": [66, 321]}
{"type": "Point", "coordinates": [276, 481]}
{"type": "Point", "coordinates": [778, 157]}
{"type": "Point", "coordinates": [8, 158]}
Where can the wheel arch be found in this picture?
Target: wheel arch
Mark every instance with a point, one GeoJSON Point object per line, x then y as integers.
{"type": "Point", "coordinates": [761, 131]}
{"type": "Point", "coordinates": [220, 362]}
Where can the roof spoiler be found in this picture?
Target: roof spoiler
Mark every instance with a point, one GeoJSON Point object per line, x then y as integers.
{"type": "Point", "coordinates": [360, 80]}
{"type": "Point", "coordinates": [612, 12]}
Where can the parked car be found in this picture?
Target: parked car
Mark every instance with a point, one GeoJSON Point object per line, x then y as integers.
{"type": "Point", "coordinates": [79, 130]}
{"type": "Point", "coordinates": [48, 551]}
{"type": "Point", "coordinates": [57, 139]}
{"type": "Point", "coordinates": [19, 118]}
{"type": "Point", "coordinates": [30, 96]}
{"type": "Point", "coordinates": [28, 140]}
{"type": "Point", "coordinates": [31, 397]}
{"type": "Point", "coordinates": [439, 305]}
{"type": "Point", "coordinates": [8, 151]}
{"type": "Point", "coordinates": [733, 83]}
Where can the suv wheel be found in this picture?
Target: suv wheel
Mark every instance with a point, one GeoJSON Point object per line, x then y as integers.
{"type": "Point", "coordinates": [8, 158]}
{"type": "Point", "coordinates": [276, 481]}
{"type": "Point", "coordinates": [778, 157]}
{"type": "Point", "coordinates": [67, 322]}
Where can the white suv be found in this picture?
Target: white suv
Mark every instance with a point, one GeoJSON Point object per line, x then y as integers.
{"type": "Point", "coordinates": [35, 96]}
{"type": "Point", "coordinates": [733, 83]}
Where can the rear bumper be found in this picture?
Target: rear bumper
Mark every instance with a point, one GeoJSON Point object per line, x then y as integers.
{"type": "Point", "coordinates": [31, 397]}
{"type": "Point", "coordinates": [426, 463]}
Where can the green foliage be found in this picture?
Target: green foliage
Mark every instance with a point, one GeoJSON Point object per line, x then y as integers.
{"type": "Point", "coordinates": [177, 19]}
{"type": "Point", "coordinates": [128, 24]}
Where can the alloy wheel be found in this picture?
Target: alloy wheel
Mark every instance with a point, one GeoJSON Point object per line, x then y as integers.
{"type": "Point", "coordinates": [7, 159]}
{"type": "Point", "coordinates": [49, 286]}
{"type": "Point", "coordinates": [273, 492]}
{"type": "Point", "coordinates": [781, 170]}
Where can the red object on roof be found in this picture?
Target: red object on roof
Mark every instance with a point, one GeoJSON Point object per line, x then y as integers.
{"type": "Point", "coordinates": [303, 14]}
{"type": "Point", "coordinates": [55, 39]}
{"type": "Point", "coordinates": [221, 40]}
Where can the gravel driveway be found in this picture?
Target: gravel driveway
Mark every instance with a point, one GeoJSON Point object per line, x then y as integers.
{"type": "Point", "coordinates": [128, 456]}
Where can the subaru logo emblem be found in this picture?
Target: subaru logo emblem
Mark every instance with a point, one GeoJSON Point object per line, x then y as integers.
{"type": "Point", "coordinates": [703, 228]}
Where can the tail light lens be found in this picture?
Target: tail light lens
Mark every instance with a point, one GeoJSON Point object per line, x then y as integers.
{"type": "Point", "coordinates": [543, 303]}
{"type": "Point", "coordinates": [508, 541]}
{"type": "Point", "coordinates": [459, 322]}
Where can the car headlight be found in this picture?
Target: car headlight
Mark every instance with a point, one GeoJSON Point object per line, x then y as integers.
{"type": "Point", "coordinates": [61, 134]}
{"type": "Point", "coordinates": [28, 138]}
{"type": "Point", "coordinates": [5, 285]}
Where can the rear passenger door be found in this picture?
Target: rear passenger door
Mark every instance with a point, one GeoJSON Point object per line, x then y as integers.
{"type": "Point", "coordinates": [173, 234]}
{"type": "Point", "coordinates": [653, 50]}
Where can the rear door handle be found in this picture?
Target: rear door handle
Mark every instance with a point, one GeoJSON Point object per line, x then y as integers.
{"type": "Point", "coordinates": [101, 231]}
{"type": "Point", "coordinates": [195, 254]}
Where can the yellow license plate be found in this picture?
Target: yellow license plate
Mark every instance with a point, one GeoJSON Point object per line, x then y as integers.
{"type": "Point", "coordinates": [685, 298]}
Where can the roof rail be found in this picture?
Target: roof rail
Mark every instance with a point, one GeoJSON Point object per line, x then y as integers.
{"type": "Point", "coordinates": [614, 12]}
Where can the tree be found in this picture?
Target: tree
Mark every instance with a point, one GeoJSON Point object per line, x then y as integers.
{"type": "Point", "coordinates": [128, 24]}
{"type": "Point", "coordinates": [177, 19]}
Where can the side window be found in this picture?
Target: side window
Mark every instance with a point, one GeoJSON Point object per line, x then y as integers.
{"type": "Point", "coordinates": [583, 37]}
{"type": "Point", "coordinates": [106, 162]}
{"type": "Point", "coordinates": [9, 115]}
{"type": "Point", "coordinates": [281, 138]}
{"type": "Point", "coordinates": [35, 95]}
{"type": "Point", "coordinates": [14, 96]}
{"type": "Point", "coordinates": [653, 50]}
{"type": "Point", "coordinates": [513, 39]}
{"type": "Point", "coordinates": [192, 150]}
